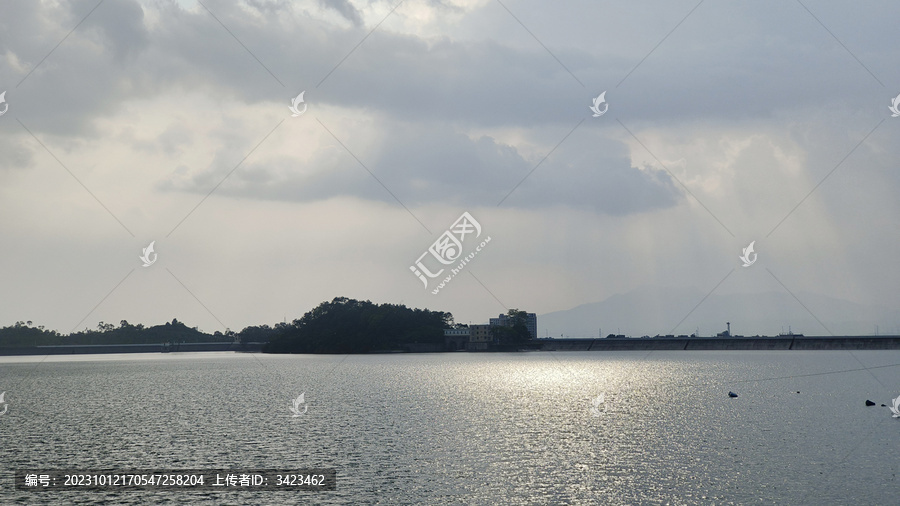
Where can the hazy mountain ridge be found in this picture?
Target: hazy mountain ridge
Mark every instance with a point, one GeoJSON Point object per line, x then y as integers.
{"type": "Point", "coordinates": [651, 311]}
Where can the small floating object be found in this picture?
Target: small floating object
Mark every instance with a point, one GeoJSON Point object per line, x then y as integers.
{"type": "Point", "coordinates": [732, 394]}
{"type": "Point", "coordinates": [870, 403]}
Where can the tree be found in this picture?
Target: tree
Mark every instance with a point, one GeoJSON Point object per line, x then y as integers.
{"type": "Point", "coordinates": [257, 334]}
{"type": "Point", "coordinates": [515, 331]}
{"type": "Point", "coordinates": [352, 326]}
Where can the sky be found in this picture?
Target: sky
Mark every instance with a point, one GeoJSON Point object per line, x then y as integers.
{"type": "Point", "coordinates": [131, 122]}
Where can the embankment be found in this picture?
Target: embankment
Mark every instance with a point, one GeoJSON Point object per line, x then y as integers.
{"type": "Point", "coordinates": [725, 343]}
{"type": "Point", "coordinates": [608, 344]}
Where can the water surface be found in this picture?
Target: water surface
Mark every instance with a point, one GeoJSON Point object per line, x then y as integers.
{"type": "Point", "coordinates": [467, 428]}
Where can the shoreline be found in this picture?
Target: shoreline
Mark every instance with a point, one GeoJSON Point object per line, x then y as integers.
{"type": "Point", "coordinates": [106, 349]}
{"type": "Point", "coordinates": [786, 343]}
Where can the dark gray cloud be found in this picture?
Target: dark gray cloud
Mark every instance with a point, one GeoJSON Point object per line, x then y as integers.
{"type": "Point", "coordinates": [120, 23]}
{"type": "Point", "coordinates": [425, 163]}
{"type": "Point", "coordinates": [345, 9]}
{"type": "Point", "coordinates": [738, 63]}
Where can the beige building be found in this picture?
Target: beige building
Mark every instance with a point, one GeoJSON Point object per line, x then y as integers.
{"type": "Point", "coordinates": [479, 337]}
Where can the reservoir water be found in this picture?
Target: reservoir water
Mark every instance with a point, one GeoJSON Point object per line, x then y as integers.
{"type": "Point", "coordinates": [467, 428]}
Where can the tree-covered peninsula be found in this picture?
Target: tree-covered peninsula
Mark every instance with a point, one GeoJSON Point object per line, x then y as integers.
{"type": "Point", "coordinates": [352, 326]}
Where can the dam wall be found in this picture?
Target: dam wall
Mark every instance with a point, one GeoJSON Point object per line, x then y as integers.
{"type": "Point", "coordinates": [847, 343]}
{"type": "Point", "coordinates": [725, 343]}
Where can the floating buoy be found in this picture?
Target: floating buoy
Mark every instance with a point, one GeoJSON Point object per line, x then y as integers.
{"type": "Point", "coordinates": [732, 394]}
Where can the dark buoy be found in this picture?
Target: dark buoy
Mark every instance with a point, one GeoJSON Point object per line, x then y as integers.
{"type": "Point", "coordinates": [869, 403]}
{"type": "Point", "coordinates": [732, 394]}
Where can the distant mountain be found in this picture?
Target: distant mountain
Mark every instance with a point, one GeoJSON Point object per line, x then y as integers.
{"type": "Point", "coordinates": [651, 311]}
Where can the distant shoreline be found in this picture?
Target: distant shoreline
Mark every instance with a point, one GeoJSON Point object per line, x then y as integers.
{"type": "Point", "coordinates": [785, 343]}
{"type": "Point", "coordinates": [105, 349]}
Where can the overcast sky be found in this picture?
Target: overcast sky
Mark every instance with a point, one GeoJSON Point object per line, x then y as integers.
{"type": "Point", "coordinates": [168, 121]}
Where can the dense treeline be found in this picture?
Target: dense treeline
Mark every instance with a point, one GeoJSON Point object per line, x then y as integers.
{"type": "Point", "coordinates": [24, 334]}
{"type": "Point", "coordinates": [351, 326]}
{"type": "Point", "coordinates": [340, 326]}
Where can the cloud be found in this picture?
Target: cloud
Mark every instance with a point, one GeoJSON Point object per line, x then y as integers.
{"type": "Point", "coordinates": [14, 154]}
{"type": "Point", "coordinates": [345, 9]}
{"type": "Point", "coordinates": [434, 164]}
{"type": "Point", "coordinates": [121, 25]}
{"type": "Point", "coordinates": [756, 69]}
